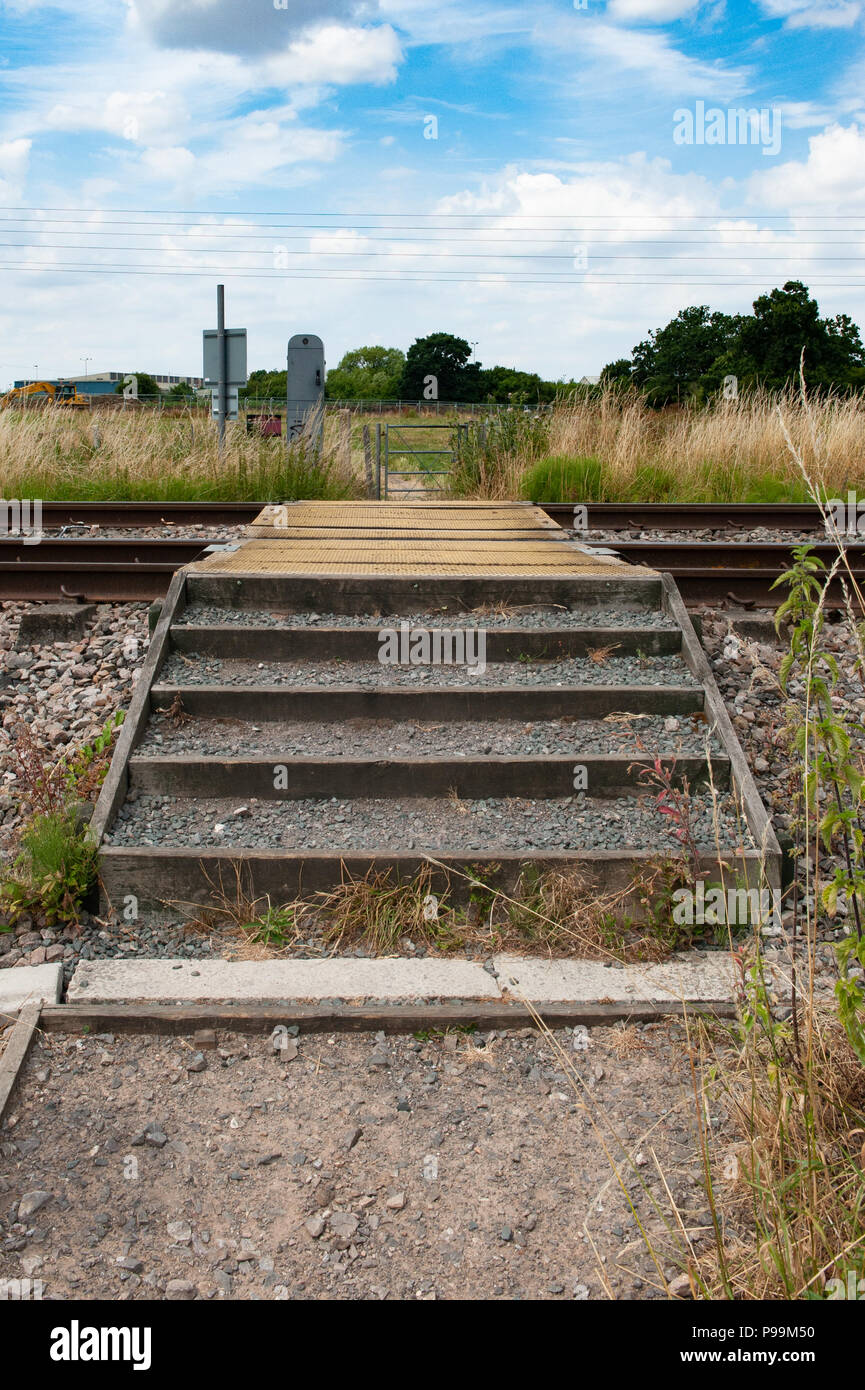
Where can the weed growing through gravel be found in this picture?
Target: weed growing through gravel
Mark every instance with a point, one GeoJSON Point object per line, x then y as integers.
{"type": "Point", "coordinates": [379, 911]}
{"type": "Point", "coordinates": [56, 868]}
{"type": "Point", "coordinates": [54, 872]}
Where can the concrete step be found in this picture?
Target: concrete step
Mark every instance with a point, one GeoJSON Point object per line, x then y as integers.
{"type": "Point", "coordinates": [275, 778]}
{"type": "Point", "coordinates": [363, 643]}
{"type": "Point", "coordinates": [266, 702]}
{"type": "Point", "coordinates": [380, 593]}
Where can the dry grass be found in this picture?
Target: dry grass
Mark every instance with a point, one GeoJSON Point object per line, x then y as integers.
{"type": "Point", "coordinates": [730, 450]}
{"type": "Point", "coordinates": [115, 456]}
{"type": "Point", "coordinates": [788, 1182]}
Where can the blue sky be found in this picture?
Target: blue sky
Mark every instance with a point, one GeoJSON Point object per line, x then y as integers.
{"type": "Point", "coordinates": [565, 206]}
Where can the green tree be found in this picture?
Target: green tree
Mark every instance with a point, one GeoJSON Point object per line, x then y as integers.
{"type": "Point", "coordinates": [366, 373]}
{"type": "Point", "coordinates": [671, 363]}
{"type": "Point", "coordinates": [146, 385]}
{"type": "Point", "coordinates": [181, 389]}
{"type": "Point", "coordinates": [507, 385]}
{"type": "Point", "coordinates": [263, 385]}
{"type": "Point", "coordinates": [617, 373]}
{"type": "Point", "coordinates": [769, 343]}
{"type": "Point", "coordinates": [446, 358]}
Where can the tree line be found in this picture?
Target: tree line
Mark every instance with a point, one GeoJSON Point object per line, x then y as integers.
{"type": "Point", "coordinates": [437, 367]}
{"type": "Point", "coordinates": [690, 358]}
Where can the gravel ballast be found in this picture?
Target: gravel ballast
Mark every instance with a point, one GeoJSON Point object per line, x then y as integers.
{"type": "Point", "coordinates": [432, 824]}
{"type": "Point", "coordinates": [529, 618]}
{"type": "Point", "coordinates": [621, 671]}
{"type": "Point", "coordinates": [374, 738]}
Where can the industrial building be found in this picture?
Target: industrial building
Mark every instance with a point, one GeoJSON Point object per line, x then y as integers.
{"type": "Point", "coordinates": [105, 383]}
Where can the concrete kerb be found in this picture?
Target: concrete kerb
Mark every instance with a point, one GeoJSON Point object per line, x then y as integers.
{"type": "Point", "coordinates": [26, 984]}
{"type": "Point", "coordinates": [694, 977]}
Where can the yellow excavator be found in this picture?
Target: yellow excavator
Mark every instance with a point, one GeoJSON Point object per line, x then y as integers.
{"type": "Point", "coordinates": [63, 393]}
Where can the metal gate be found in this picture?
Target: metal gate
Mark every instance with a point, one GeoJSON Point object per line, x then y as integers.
{"type": "Point", "coordinates": [400, 448]}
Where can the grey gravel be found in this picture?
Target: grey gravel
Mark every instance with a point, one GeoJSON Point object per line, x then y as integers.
{"type": "Point", "coordinates": [376, 738]}
{"type": "Point", "coordinates": [432, 824]}
{"type": "Point", "coordinates": [625, 670]}
{"type": "Point", "coordinates": [529, 617]}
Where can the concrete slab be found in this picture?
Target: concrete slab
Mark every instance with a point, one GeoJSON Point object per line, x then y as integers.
{"type": "Point", "coordinates": [23, 984]}
{"type": "Point", "coordinates": [53, 622]}
{"type": "Point", "coordinates": [336, 978]}
{"type": "Point", "coordinates": [697, 975]}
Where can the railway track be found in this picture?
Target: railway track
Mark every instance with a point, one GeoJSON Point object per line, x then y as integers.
{"type": "Point", "coordinates": [618, 516]}
{"type": "Point", "coordinates": [116, 570]}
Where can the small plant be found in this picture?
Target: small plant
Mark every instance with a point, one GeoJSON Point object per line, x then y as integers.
{"type": "Point", "coordinates": [55, 871]}
{"type": "Point", "coordinates": [84, 769]}
{"type": "Point", "coordinates": [275, 926]}
{"type": "Point", "coordinates": [825, 751]}
{"type": "Point", "coordinates": [674, 802]}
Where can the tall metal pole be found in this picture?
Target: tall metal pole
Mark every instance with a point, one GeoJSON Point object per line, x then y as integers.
{"type": "Point", "coordinates": [222, 367]}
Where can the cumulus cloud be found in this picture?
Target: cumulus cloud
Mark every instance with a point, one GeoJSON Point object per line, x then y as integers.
{"type": "Point", "coordinates": [339, 55]}
{"type": "Point", "coordinates": [229, 27]}
{"type": "Point", "coordinates": [832, 176]}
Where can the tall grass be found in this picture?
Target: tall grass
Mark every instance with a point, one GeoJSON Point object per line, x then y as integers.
{"type": "Point", "coordinates": [726, 451]}
{"type": "Point", "coordinates": [53, 454]}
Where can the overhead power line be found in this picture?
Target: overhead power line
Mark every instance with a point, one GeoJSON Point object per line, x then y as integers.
{"type": "Point", "coordinates": [442, 278]}
{"type": "Point", "coordinates": [415, 255]}
{"type": "Point", "coordinates": [750, 215]}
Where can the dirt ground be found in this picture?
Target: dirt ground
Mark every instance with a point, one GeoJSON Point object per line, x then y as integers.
{"type": "Point", "coordinates": [349, 1166]}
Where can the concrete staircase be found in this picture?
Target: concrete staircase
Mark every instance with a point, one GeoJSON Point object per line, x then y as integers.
{"type": "Point", "coordinates": [248, 673]}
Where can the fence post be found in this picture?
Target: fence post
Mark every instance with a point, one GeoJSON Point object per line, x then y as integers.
{"type": "Point", "coordinates": [378, 460]}
{"type": "Point", "coordinates": [367, 461]}
{"type": "Point", "coordinates": [345, 437]}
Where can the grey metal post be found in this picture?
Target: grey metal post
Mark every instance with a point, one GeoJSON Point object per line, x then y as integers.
{"type": "Point", "coordinates": [221, 383]}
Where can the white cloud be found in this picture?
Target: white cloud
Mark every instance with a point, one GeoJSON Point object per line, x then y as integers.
{"type": "Point", "coordinates": [249, 151]}
{"type": "Point", "coordinates": [651, 56]}
{"type": "Point", "coordinates": [172, 163]}
{"type": "Point", "coordinates": [146, 117]}
{"type": "Point", "coordinates": [650, 11]}
{"type": "Point", "coordinates": [832, 176]}
{"type": "Point", "coordinates": [339, 55]}
{"type": "Point", "coordinates": [805, 14]}
{"type": "Point", "coordinates": [14, 161]}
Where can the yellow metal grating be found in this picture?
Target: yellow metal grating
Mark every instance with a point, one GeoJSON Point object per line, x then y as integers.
{"type": "Point", "coordinates": [392, 515]}
{"type": "Point", "coordinates": [390, 538]}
